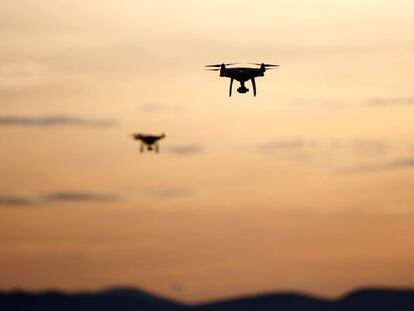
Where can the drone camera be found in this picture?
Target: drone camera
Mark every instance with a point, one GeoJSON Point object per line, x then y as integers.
{"type": "Point", "coordinates": [242, 89]}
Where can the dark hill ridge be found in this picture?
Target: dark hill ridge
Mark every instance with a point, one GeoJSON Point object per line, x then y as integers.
{"type": "Point", "coordinates": [368, 299]}
{"type": "Point", "coordinates": [126, 299]}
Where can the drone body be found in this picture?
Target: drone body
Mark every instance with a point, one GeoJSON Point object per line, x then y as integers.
{"type": "Point", "coordinates": [150, 141]}
{"type": "Point", "coordinates": [241, 74]}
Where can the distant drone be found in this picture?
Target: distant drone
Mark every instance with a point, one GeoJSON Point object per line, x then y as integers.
{"type": "Point", "coordinates": [151, 141]}
{"type": "Point", "coordinates": [241, 74]}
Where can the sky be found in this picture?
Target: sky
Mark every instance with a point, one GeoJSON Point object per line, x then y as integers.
{"type": "Point", "coordinates": [306, 187]}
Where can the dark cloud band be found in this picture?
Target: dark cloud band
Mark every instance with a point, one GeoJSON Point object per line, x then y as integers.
{"type": "Point", "coordinates": [15, 201]}
{"type": "Point", "coordinates": [80, 197]}
{"type": "Point", "coordinates": [54, 120]}
{"type": "Point", "coordinates": [58, 197]}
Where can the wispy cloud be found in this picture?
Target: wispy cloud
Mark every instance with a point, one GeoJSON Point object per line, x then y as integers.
{"type": "Point", "coordinates": [391, 165]}
{"type": "Point", "coordinates": [341, 154]}
{"type": "Point", "coordinates": [364, 147]}
{"type": "Point", "coordinates": [289, 144]}
{"type": "Point", "coordinates": [57, 197]}
{"type": "Point", "coordinates": [391, 101]}
{"type": "Point", "coordinates": [54, 120]}
{"type": "Point", "coordinates": [16, 201]}
{"type": "Point", "coordinates": [293, 149]}
{"type": "Point", "coordinates": [69, 196]}
{"type": "Point", "coordinates": [170, 193]}
{"type": "Point", "coordinates": [161, 108]}
{"type": "Point", "coordinates": [369, 147]}
{"type": "Point", "coordinates": [185, 149]}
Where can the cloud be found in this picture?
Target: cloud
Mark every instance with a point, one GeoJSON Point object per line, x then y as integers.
{"type": "Point", "coordinates": [338, 154]}
{"type": "Point", "coordinates": [171, 193]}
{"type": "Point", "coordinates": [54, 120]}
{"type": "Point", "coordinates": [292, 149]}
{"type": "Point", "coordinates": [57, 197]}
{"type": "Point", "coordinates": [292, 144]}
{"type": "Point", "coordinates": [392, 165]}
{"type": "Point", "coordinates": [16, 201]}
{"type": "Point", "coordinates": [367, 147]}
{"type": "Point", "coordinates": [161, 108]}
{"type": "Point", "coordinates": [391, 101]}
{"type": "Point", "coordinates": [185, 149]}
{"type": "Point", "coordinates": [69, 196]}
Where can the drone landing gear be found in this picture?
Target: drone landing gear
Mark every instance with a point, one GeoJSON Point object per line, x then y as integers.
{"type": "Point", "coordinates": [254, 87]}
{"type": "Point", "coordinates": [242, 89]}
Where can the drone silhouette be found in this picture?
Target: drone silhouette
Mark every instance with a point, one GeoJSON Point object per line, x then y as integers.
{"type": "Point", "coordinates": [241, 74]}
{"type": "Point", "coordinates": [150, 141]}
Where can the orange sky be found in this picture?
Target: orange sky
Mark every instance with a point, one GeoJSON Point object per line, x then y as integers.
{"type": "Point", "coordinates": [306, 187]}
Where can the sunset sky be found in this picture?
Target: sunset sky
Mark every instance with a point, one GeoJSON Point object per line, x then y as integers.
{"type": "Point", "coordinates": [307, 187]}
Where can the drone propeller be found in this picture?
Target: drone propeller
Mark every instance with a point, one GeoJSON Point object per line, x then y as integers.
{"type": "Point", "coordinates": [219, 65]}
{"type": "Point", "coordinates": [135, 135]}
{"type": "Point", "coordinates": [215, 69]}
{"type": "Point", "coordinates": [266, 65]}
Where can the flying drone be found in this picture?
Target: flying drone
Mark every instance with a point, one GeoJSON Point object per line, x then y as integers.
{"type": "Point", "coordinates": [150, 141]}
{"type": "Point", "coordinates": [241, 74]}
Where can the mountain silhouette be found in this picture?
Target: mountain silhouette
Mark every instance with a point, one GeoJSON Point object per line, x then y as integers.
{"type": "Point", "coordinates": [123, 299]}
{"type": "Point", "coordinates": [127, 299]}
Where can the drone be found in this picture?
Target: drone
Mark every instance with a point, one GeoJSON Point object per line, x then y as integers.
{"type": "Point", "coordinates": [241, 74]}
{"type": "Point", "coordinates": [150, 141]}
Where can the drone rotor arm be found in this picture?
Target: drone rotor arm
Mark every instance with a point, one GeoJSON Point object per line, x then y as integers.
{"type": "Point", "coordinates": [219, 65]}
{"type": "Point", "coordinates": [266, 65]}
